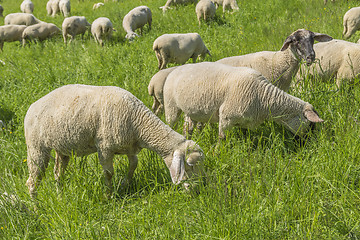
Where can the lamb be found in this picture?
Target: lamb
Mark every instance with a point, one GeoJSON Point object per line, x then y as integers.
{"type": "Point", "coordinates": [155, 89]}
{"type": "Point", "coordinates": [226, 4]}
{"type": "Point", "coordinates": [338, 60]}
{"type": "Point", "coordinates": [351, 22]}
{"type": "Point", "coordinates": [65, 8]}
{"type": "Point", "coordinates": [1, 11]}
{"type": "Point", "coordinates": [103, 119]}
{"type": "Point", "coordinates": [73, 26]}
{"type": "Point", "coordinates": [21, 19]}
{"type": "Point", "coordinates": [27, 6]}
{"type": "Point", "coordinates": [176, 2]}
{"type": "Point", "coordinates": [280, 66]}
{"type": "Point", "coordinates": [10, 33]}
{"type": "Point", "coordinates": [136, 18]}
{"type": "Point", "coordinates": [97, 5]}
{"type": "Point", "coordinates": [102, 29]}
{"type": "Point", "coordinates": [205, 9]}
{"type": "Point", "coordinates": [178, 48]}
{"type": "Point", "coordinates": [215, 92]}
{"type": "Point", "coordinates": [40, 31]}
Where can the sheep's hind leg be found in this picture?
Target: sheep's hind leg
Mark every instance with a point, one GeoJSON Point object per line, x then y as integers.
{"type": "Point", "coordinates": [61, 162]}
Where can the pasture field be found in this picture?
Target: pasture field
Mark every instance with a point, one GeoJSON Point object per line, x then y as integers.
{"type": "Point", "coordinates": [260, 184]}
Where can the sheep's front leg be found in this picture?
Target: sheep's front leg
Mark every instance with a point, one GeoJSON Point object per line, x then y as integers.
{"type": "Point", "coordinates": [106, 161]}
{"type": "Point", "coordinates": [133, 162]}
{"type": "Point", "coordinates": [61, 162]}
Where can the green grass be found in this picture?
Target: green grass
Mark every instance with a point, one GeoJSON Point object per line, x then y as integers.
{"type": "Point", "coordinates": [261, 184]}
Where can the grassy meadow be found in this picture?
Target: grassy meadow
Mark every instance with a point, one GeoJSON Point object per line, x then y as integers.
{"type": "Point", "coordinates": [260, 184]}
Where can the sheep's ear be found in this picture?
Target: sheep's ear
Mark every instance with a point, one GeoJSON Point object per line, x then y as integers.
{"type": "Point", "coordinates": [312, 116]}
{"type": "Point", "coordinates": [287, 42]}
{"type": "Point", "coordinates": [320, 37]}
{"type": "Point", "coordinates": [177, 168]}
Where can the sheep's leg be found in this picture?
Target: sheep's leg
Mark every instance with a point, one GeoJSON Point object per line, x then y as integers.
{"type": "Point", "coordinates": [172, 114]}
{"type": "Point", "coordinates": [155, 106]}
{"type": "Point", "coordinates": [1, 45]}
{"type": "Point", "coordinates": [224, 124]}
{"type": "Point", "coordinates": [159, 58]}
{"type": "Point", "coordinates": [37, 161]}
{"type": "Point", "coordinates": [106, 161]}
{"type": "Point", "coordinates": [164, 59]}
{"type": "Point", "coordinates": [133, 162]}
{"type": "Point", "coordinates": [65, 37]}
{"type": "Point", "coordinates": [189, 126]}
{"type": "Point", "coordinates": [61, 162]}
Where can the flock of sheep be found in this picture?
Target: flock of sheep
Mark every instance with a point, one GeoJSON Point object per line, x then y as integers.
{"type": "Point", "coordinates": [234, 91]}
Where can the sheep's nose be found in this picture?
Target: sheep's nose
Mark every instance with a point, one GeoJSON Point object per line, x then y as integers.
{"type": "Point", "coordinates": [310, 59]}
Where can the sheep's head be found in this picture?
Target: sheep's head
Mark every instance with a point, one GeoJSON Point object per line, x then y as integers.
{"type": "Point", "coordinates": [185, 162]}
{"type": "Point", "coordinates": [301, 44]}
{"type": "Point", "coordinates": [131, 36]}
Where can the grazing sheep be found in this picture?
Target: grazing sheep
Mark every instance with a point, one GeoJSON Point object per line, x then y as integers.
{"type": "Point", "coordinates": [338, 60]}
{"type": "Point", "coordinates": [102, 29]}
{"type": "Point", "coordinates": [215, 92]}
{"type": "Point", "coordinates": [176, 2]}
{"type": "Point", "coordinates": [27, 6]}
{"type": "Point", "coordinates": [155, 89]}
{"type": "Point", "coordinates": [135, 19]}
{"type": "Point", "coordinates": [40, 31]}
{"type": "Point", "coordinates": [205, 9]}
{"type": "Point", "coordinates": [178, 48]}
{"type": "Point", "coordinates": [10, 33]}
{"type": "Point", "coordinates": [1, 11]}
{"type": "Point", "coordinates": [73, 26]}
{"type": "Point", "coordinates": [65, 7]}
{"type": "Point", "coordinates": [49, 7]}
{"type": "Point", "coordinates": [280, 66]}
{"type": "Point", "coordinates": [351, 22]}
{"type": "Point", "coordinates": [226, 4]}
{"type": "Point", "coordinates": [21, 19]}
{"type": "Point", "coordinates": [103, 119]}
{"type": "Point", "coordinates": [97, 5]}
{"type": "Point", "coordinates": [55, 8]}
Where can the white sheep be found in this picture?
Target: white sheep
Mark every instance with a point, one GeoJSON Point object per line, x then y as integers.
{"type": "Point", "coordinates": [21, 19]}
{"type": "Point", "coordinates": [351, 22]}
{"type": "Point", "coordinates": [205, 9]}
{"type": "Point", "coordinates": [280, 66]}
{"type": "Point", "coordinates": [49, 7]}
{"type": "Point", "coordinates": [10, 33]}
{"type": "Point", "coordinates": [178, 48]}
{"type": "Point", "coordinates": [155, 89]}
{"type": "Point", "coordinates": [65, 7]}
{"type": "Point", "coordinates": [338, 60]}
{"type": "Point", "coordinates": [102, 29]}
{"type": "Point", "coordinates": [170, 3]}
{"type": "Point", "coordinates": [103, 119]}
{"type": "Point", "coordinates": [1, 11]}
{"type": "Point", "coordinates": [73, 26]}
{"type": "Point", "coordinates": [226, 4]}
{"type": "Point", "coordinates": [40, 31]}
{"type": "Point", "coordinates": [27, 6]}
{"type": "Point", "coordinates": [97, 5]}
{"type": "Point", "coordinates": [136, 18]}
{"type": "Point", "coordinates": [55, 8]}
{"type": "Point", "coordinates": [215, 92]}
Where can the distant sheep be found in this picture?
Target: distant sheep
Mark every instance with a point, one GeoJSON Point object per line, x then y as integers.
{"type": "Point", "coordinates": [226, 4]}
{"type": "Point", "coordinates": [170, 3]}
{"type": "Point", "coordinates": [178, 48]}
{"type": "Point", "coordinates": [232, 96]}
{"type": "Point", "coordinates": [40, 31]}
{"type": "Point", "coordinates": [205, 9]}
{"type": "Point", "coordinates": [21, 19]}
{"type": "Point", "coordinates": [281, 66]}
{"type": "Point", "coordinates": [27, 6]}
{"type": "Point", "coordinates": [351, 22]}
{"type": "Point", "coordinates": [135, 19]}
{"type": "Point", "coordinates": [55, 8]}
{"type": "Point", "coordinates": [73, 26]}
{"type": "Point", "coordinates": [97, 5]}
{"type": "Point", "coordinates": [102, 29]}
{"type": "Point", "coordinates": [49, 7]}
{"type": "Point", "coordinates": [1, 11]}
{"type": "Point", "coordinates": [65, 7]}
{"type": "Point", "coordinates": [108, 120]}
{"type": "Point", "coordinates": [10, 33]}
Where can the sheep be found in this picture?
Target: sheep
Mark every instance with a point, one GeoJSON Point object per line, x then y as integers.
{"type": "Point", "coordinates": [280, 66]}
{"type": "Point", "coordinates": [73, 26]}
{"type": "Point", "coordinates": [55, 8]}
{"type": "Point", "coordinates": [215, 92]}
{"type": "Point", "coordinates": [338, 59]}
{"type": "Point", "coordinates": [10, 33]}
{"type": "Point", "coordinates": [40, 31]}
{"type": "Point", "coordinates": [351, 22]}
{"type": "Point", "coordinates": [136, 18]}
{"type": "Point", "coordinates": [1, 11]}
{"type": "Point", "coordinates": [155, 89]}
{"type": "Point", "coordinates": [97, 5]}
{"type": "Point", "coordinates": [27, 6]}
{"type": "Point", "coordinates": [49, 7]}
{"type": "Point", "coordinates": [21, 19]}
{"type": "Point", "coordinates": [103, 119]}
{"type": "Point", "coordinates": [102, 29]}
{"type": "Point", "coordinates": [178, 48]}
{"type": "Point", "coordinates": [205, 9]}
{"type": "Point", "coordinates": [176, 2]}
{"type": "Point", "coordinates": [65, 8]}
{"type": "Point", "coordinates": [226, 4]}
